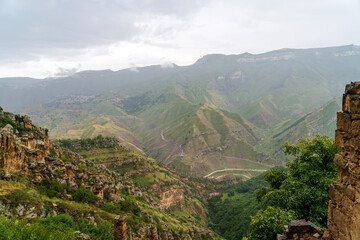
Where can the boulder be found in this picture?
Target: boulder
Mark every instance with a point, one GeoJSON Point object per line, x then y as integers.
{"type": "Point", "coordinates": [302, 229]}
{"type": "Point", "coordinates": [8, 129]}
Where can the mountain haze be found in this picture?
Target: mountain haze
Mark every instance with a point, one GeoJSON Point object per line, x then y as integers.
{"type": "Point", "coordinates": [222, 112]}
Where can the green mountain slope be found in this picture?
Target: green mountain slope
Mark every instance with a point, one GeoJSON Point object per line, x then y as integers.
{"type": "Point", "coordinates": [200, 117]}
{"type": "Point", "coordinates": [320, 122]}
{"type": "Point", "coordinates": [204, 138]}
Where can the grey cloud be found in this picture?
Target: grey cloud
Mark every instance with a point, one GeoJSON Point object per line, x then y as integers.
{"type": "Point", "coordinates": [39, 35]}
{"type": "Point", "coordinates": [65, 72]}
{"type": "Point", "coordinates": [32, 28]}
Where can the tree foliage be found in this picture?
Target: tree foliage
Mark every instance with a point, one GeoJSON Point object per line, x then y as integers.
{"type": "Point", "coordinates": [267, 223]}
{"type": "Point", "coordinates": [304, 189]}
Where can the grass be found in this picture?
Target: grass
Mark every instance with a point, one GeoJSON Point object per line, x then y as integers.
{"type": "Point", "coordinates": [148, 179]}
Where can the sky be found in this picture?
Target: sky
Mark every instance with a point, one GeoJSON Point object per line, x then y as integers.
{"type": "Point", "coordinates": [55, 38]}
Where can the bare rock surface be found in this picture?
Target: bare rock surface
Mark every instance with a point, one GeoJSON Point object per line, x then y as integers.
{"type": "Point", "coordinates": [344, 207]}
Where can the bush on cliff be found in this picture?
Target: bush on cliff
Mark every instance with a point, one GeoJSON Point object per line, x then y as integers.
{"type": "Point", "coordinates": [51, 189]}
{"type": "Point", "coordinates": [85, 196]}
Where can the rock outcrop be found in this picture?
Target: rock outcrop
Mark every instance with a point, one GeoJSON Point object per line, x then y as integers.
{"type": "Point", "coordinates": [120, 229]}
{"type": "Point", "coordinates": [344, 207]}
{"type": "Point", "coordinates": [304, 230]}
{"type": "Point", "coordinates": [30, 154]}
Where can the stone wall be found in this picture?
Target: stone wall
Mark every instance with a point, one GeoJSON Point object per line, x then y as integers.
{"type": "Point", "coordinates": [344, 207]}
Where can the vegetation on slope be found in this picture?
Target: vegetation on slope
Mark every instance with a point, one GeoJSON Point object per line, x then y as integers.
{"type": "Point", "coordinates": [230, 212]}
{"type": "Point", "coordinates": [60, 227]}
{"type": "Point", "coordinates": [151, 177]}
{"type": "Point", "coordinates": [299, 191]}
{"type": "Point", "coordinates": [72, 215]}
{"type": "Point", "coordinates": [199, 138]}
{"type": "Point", "coordinates": [320, 122]}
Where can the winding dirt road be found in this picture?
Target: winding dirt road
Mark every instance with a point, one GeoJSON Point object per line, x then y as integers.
{"type": "Point", "coordinates": [234, 169]}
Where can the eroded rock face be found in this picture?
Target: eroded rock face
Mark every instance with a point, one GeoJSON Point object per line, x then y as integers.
{"type": "Point", "coordinates": [12, 157]}
{"type": "Point", "coordinates": [30, 154]}
{"type": "Point", "coordinates": [172, 198]}
{"type": "Point", "coordinates": [344, 207]}
{"type": "Point", "coordinates": [120, 229]}
{"type": "Point", "coordinates": [16, 148]}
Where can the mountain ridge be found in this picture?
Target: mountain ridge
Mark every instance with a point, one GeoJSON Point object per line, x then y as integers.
{"type": "Point", "coordinates": [266, 91]}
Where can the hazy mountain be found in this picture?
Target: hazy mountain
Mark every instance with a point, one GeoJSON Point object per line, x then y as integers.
{"type": "Point", "coordinates": [224, 111]}
{"type": "Point", "coordinates": [320, 122]}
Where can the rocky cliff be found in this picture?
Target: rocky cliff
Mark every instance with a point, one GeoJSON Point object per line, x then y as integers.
{"type": "Point", "coordinates": [20, 141]}
{"type": "Point", "coordinates": [28, 156]}
{"type": "Point", "coordinates": [344, 207]}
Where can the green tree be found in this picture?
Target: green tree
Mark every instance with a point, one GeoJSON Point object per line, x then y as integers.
{"type": "Point", "coordinates": [275, 176]}
{"type": "Point", "coordinates": [304, 189]}
{"type": "Point", "coordinates": [267, 223]}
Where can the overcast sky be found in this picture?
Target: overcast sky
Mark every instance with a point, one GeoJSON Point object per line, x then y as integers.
{"type": "Point", "coordinates": [41, 38]}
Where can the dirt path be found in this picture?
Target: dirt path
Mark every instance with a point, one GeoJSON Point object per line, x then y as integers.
{"type": "Point", "coordinates": [236, 175]}
{"type": "Point", "coordinates": [234, 169]}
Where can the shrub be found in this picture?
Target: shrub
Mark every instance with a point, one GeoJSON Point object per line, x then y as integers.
{"type": "Point", "coordinates": [84, 195]}
{"type": "Point", "coordinates": [52, 153]}
{"type": "Point", "coordinates": [65, 159]}
{"type": "Point", "coordinates": [19, 196]}
{"type": "Point", "coordinates": [102, 231]}
{"type": "Point", "coordinates": [112, 208]}
{"type": "Point", "coordinates": [53, 189]}
{"type": "Point", "coordinates": [63, 221]}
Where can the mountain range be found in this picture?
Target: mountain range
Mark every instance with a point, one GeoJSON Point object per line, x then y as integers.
{"type": "Point", "coordinates": [224, 112]}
